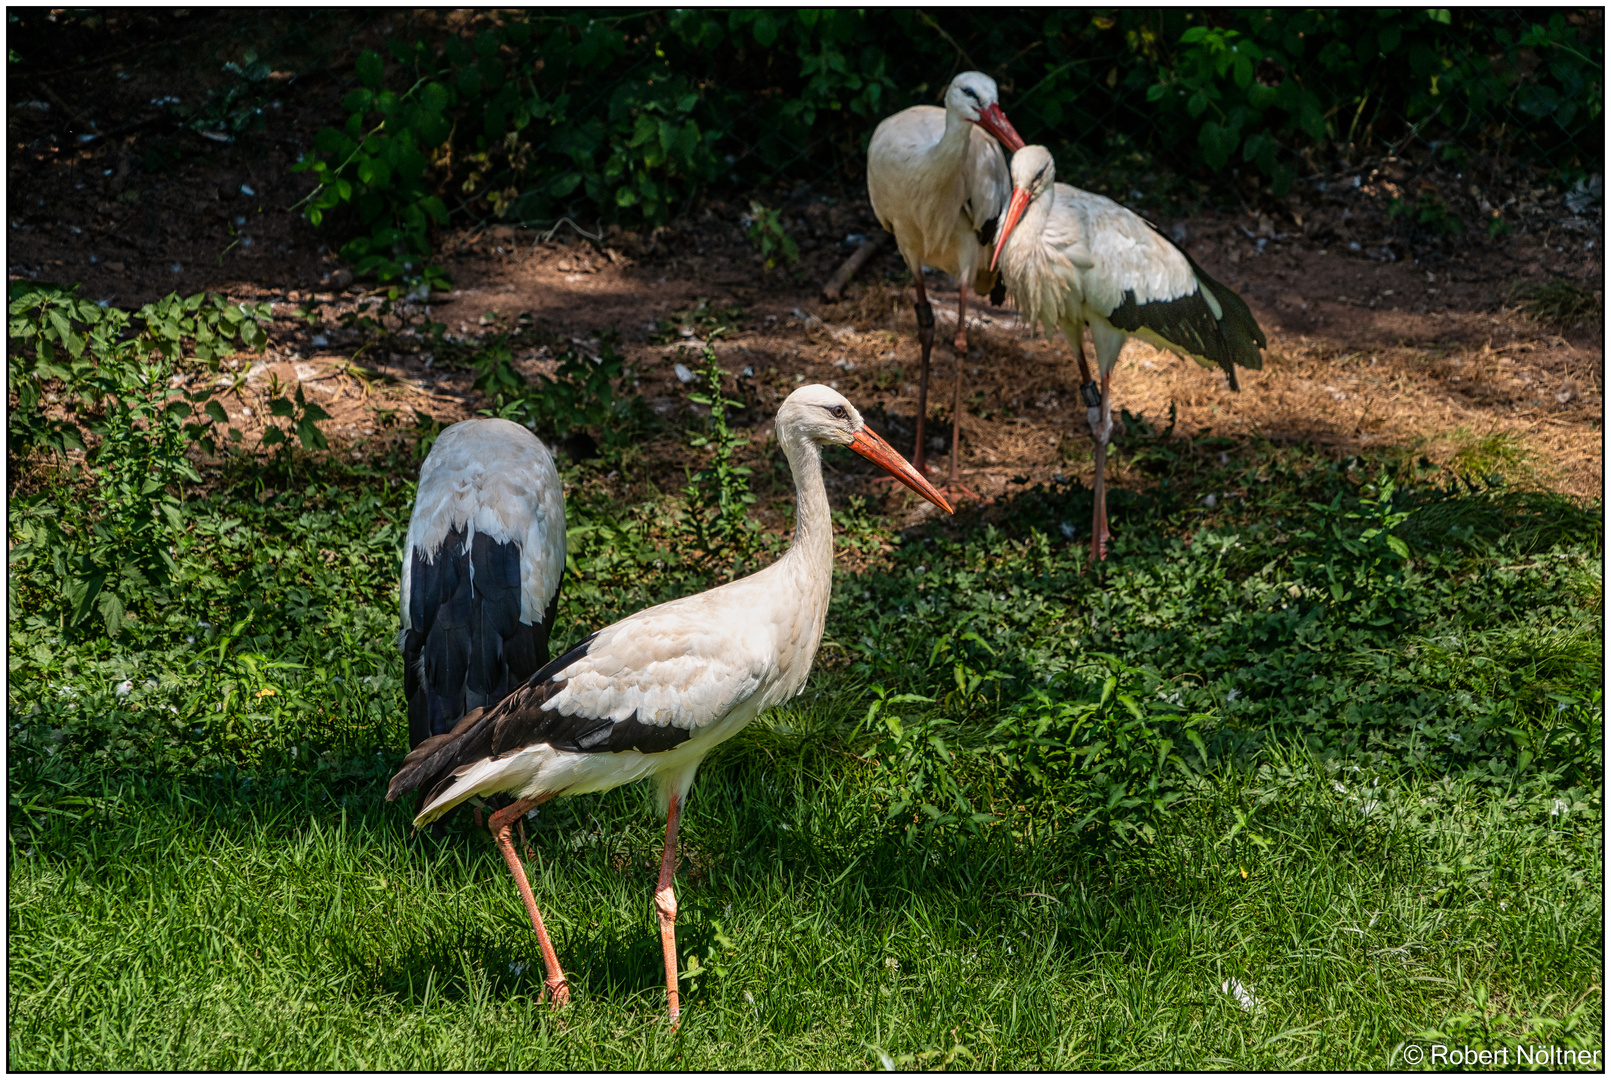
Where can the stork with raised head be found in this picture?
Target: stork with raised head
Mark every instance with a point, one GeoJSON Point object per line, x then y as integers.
{"type": "Point", "coordinates": [651, 695]}
{"type": "Point", "coordinates": [1073, 259]}
{"type": "Point", "coordinates": [939, 183]}
{"type": "Point", "coordinates": [482, 568]}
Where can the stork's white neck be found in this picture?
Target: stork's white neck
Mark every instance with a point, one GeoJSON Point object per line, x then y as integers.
{"type": "Point", "coordinates": [812, 550]}
{"type": "Point", "coordinates": [947, 155]}
{"type": "Point", "coordinates": [1041, 277]}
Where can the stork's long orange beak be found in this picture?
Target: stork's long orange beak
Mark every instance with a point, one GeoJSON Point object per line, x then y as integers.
{"type": "Point", "coordinates": [880, 453]}
{"type": "Point", "coordinates": [1015, 210]}
{"type": "Point", "coordinates": [993, 120]}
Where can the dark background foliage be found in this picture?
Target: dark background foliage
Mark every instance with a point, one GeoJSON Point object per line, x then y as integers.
{"type": "Point", "coordinates": [531, 118]}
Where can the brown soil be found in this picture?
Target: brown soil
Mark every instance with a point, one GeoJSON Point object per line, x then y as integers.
{"type": "Point", "coordinates": [1377, 336]}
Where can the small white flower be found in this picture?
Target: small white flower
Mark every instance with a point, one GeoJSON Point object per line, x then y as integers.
{"type": "Point", "coordinates": [125, 687]}
{"type": "Point", "coordinates": [1243, 995]}
{"type": "Point", "coordinates": [1211, 501]}
{"type": "Point", "coordinates": [1067, 530]}
{"type": "Point", "coordinates": [1558, 808]}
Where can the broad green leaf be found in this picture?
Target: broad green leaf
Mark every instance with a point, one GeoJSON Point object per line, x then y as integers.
{"type": "Point", "coordinates": [370, 68]}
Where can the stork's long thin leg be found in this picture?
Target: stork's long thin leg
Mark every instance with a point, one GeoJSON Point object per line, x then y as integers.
{"type": "Point", "coordinates": [1099, 512]}
{"type": "Point", "coordinates": [960, 343]}
{"type": "Point", "coordinates": [925, 339]}
{"type": "Point", "coordinates": [665, 904]}
{"type": "Point", "coordinates": [1088, 390]}
{"type": "Point", "coordinates": [558, 992]}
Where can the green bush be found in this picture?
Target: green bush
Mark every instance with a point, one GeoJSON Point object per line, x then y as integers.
{"type": "Point", "coordinates": [629, 117]}
{"type": "Point", "coordinates": [96, 381]}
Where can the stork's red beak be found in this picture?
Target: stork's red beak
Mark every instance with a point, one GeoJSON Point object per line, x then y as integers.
{"type": "Point", "coordinates": [993, 120]}
{"type": "Point", "coordinates": [880, 453]}
{"type": "Point", "coordinates": [1015, 210]}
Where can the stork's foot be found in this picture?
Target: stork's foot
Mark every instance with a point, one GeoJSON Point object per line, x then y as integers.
{"type": "Point", "coordinates": [559, 992]}
{"type": "Point", "coordinates": [960, 344]}
{"type": "Point", "coordinates": [1099, 546]}
{"type": "Point", "coordinates": [956, 491]}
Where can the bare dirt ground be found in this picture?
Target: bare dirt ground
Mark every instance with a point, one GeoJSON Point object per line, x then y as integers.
{"type": "Point", "coordinates": [1376, 337]}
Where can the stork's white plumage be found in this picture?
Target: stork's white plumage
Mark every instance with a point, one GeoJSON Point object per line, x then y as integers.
{"type": "Point", "coordinates": [939, 183]}
{"type": "Point", "coordinates": [1073, 259]}
{"type": "Point", "coordinates": [651, 695]}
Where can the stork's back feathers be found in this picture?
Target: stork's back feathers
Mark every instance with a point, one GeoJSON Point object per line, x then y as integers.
{"type": "Point", "coordinates": [483, 562]}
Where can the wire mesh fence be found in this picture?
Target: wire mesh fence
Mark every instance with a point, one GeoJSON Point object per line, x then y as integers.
{"type": "Point", "coordinates": [1092, 109]}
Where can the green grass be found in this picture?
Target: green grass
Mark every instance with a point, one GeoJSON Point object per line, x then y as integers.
{"type": "Point", "coordinates": [1336, 739]}
{"type": "Point", "coordinates": [1557, 302]}
{"type": "Point", "coordinates": [297, 928]}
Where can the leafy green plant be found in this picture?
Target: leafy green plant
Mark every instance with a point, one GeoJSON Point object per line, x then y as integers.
{"type": "Point", "coordinates": [702, 320]}
{"type": "Point", "coordinates": [378, 167]}
{"type": "Point", "coordinates": [105, 538]}
{"type": "Point", "coordinates": [304, 417]}
{"type": "Point", "coordinates": [1429, 212]}
{"type": "Point", "coordinates": [71, 353]}
{"type": "Point", "coordinates": [770, 238]}
{"type": "Point", "coordinates": [917, 769]}
{"type": "Point", "coordinates": [1234, 79]}
{"type": "Point", "coordinates": [580, 397]}
{"type": "Point", "coordinates": [719, 494]}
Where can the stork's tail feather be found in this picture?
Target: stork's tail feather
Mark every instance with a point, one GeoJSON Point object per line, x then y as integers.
{"type": "Point", "coordinates": [1238, 328]}
{"type": "Point", "coordinates": [431, 757]}
{"type": "Point", "coordinates": [430, 765]}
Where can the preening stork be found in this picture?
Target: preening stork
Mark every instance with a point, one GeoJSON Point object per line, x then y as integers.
{"type": "Point", "coordinates": [482, 567]}
{"type": "Point", "coordinates": [651, 695]}
{"type": "Point", "coordinates": [939, 183]}
{"type": "Point", "coordinates": [1073, 259]}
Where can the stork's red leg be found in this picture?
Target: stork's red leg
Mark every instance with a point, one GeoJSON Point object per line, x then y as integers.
{"type": "Point", "coordinates": [558, 992]}
{"type": "Point", "coordinates": [925, 339]}
{"type": "Point", "coordinates": [1088, 391]}
{"type": "Point", "coordinates": [1099, 512]}
{"type": "Point", "coordinates": [961, 345]}
{"type": "Point", "coordinates": [665, 904]}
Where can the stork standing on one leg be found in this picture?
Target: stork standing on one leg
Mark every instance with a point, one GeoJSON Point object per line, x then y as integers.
{"type": "Point", "coordinates": [654, 693]}
{"type": "Point", "coordinates": [939, 183]}
{"type": "Point", "coordinates": [1073, 259]}
{"type": "Point", "coordinates": [482, 567]}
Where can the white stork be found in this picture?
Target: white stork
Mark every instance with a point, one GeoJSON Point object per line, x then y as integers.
{"type": "Point", "coordinates": [482, 567]}
{"type": "Point", "coordinates": [651, 695]}
{"type": "Point", "coordinates": [939, 183]}
{"type": "Point", "coordinates": [1080, 260]}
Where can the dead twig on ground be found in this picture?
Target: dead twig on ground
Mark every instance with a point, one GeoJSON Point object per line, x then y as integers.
{"type": "Point", "coordinates": [835, 287]}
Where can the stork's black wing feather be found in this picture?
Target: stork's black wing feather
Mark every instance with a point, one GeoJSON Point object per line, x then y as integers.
{"type": "Point", "coordinates": [466, 647]}
{"type": "Point", "coordinates": [1232, 339]}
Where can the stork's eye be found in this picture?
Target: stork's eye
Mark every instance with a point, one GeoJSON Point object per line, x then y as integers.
{"type": "Point", "coordinates": [839, 412]}
{"type": "Point", "coordinates": [970, 93]}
